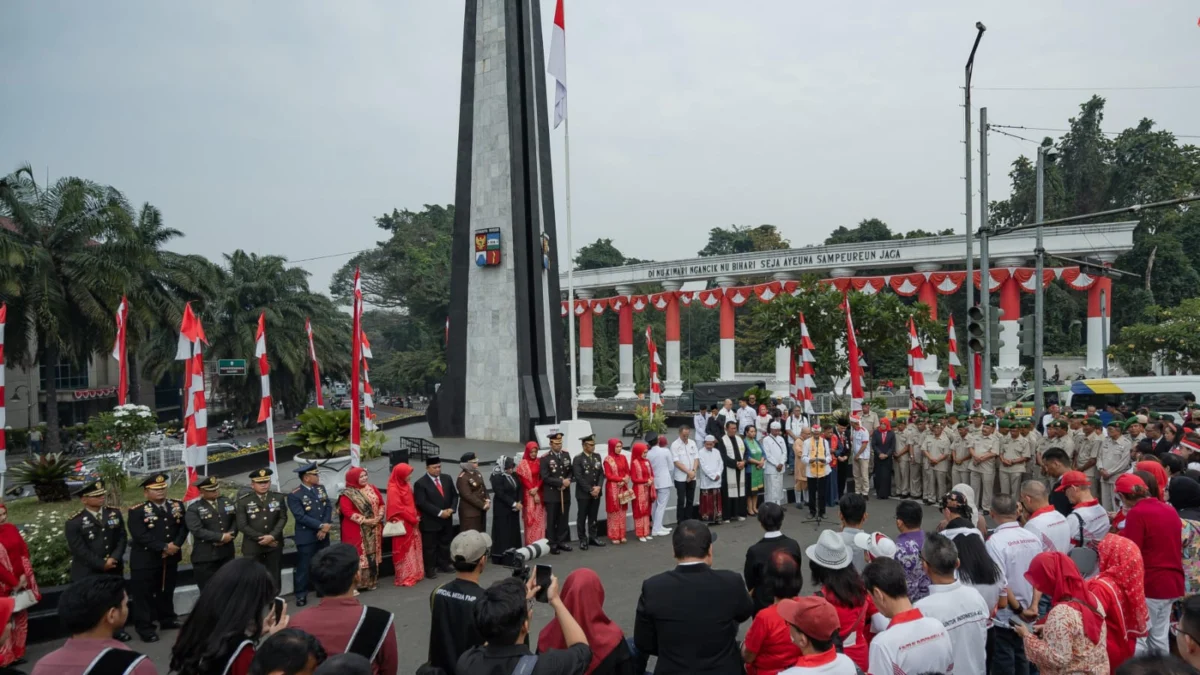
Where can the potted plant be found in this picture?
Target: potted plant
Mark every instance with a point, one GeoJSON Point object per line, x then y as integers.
{"type": "Point", "coordinates": [47, 473]}
{"type": "Point", "coordinates": [119, 436]}
{"type": "Point", "coordinates": [325, 437]}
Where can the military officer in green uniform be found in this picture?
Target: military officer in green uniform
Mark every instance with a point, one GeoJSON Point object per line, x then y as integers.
{"type": "Point", "coordinates": [96, 539]}
{"type": "Point", "coordinates": [157, 531]}
{"type": "Point", "coordinates": [213, 525]}
{"type": "Point", "coordinates": [587, 471]}
{"type": "Point", "coordinates": [261, 516]}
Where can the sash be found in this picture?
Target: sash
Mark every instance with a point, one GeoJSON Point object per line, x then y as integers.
{"type": "Point", "coordinates": [360, 502]}
{"type": "Point", "coordinates": [236, 653]}
{"type": "Point", "coordinates": [368, 635]}
{"type": "Point", "coordinates": [113, 661]}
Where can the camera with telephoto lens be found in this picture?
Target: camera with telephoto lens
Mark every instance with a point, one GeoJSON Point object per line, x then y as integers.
{"type": "Point", "coordinates": [517, 559]}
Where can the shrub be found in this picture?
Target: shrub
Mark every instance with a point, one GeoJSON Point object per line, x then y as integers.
{"type": "Point", "coordinates": [48, 550]}
{"type": "Point", "coordinates": [326, 433]}
{"type": "Point", "coordinates": [47, 474]}
{"type": "Point", "coordinates": [656, 423]}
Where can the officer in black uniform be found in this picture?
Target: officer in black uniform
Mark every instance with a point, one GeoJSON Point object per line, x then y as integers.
{"type": "Point", "coordinates": [310, 505]}
{"type": "Point", "coordinates": [587, 470]}
{"type": "Point", "coordinates": [157, 531]}
{"type": "Point", "coordinates": [96, 539]}
{"type": "Point", "coordinates": [556, 493]}
{"type": "Point", "coordinates": [213, 525]}
{"type": "Point", "coordinates": [261, 516]}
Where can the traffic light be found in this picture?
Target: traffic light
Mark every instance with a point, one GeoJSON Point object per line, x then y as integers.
{"type": "Point", "coordinates": [1026, 335]}
{"type": "Point", "coordinates": [994, 317]}
{"type": "Point", "coordinates": [975, 318]}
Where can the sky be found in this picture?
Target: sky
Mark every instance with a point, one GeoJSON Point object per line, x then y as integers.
{"type": "Point", "coordinates": [287, 127]}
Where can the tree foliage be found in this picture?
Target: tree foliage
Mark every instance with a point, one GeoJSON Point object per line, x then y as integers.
{"type": "Point", "coordinates": [1169, 336]}
{"type": "Point", "coordinates": [743, 239]}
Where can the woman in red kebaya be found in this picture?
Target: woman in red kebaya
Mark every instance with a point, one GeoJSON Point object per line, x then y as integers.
{"type": "Point", "coordinates": [533, 512]}
{"type": "Point", "coordinates": [616, 492]}
{"type": "Point", "coordinates": [362, 509]}
{"type": "Point", "coordinates": [406, 548]}
{"type": "Point", "coordinates": [644, 493]}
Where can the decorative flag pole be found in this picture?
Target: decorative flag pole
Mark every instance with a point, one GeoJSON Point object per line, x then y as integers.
{"type": "Point", "coordinates": [806, 384]}
{"type": "Point", "coordinates": [978, 391]}
{"type": "Point", "coordinates": [195, 412]}
{"type": "Point", "coordinates": [3, 418]}
{"type": "Point", "coordinates": [118, 352]}
{"type": "Point", "coordinates": [557, 67]}
{"type": "Point", "coordinates": [355, 359]}
{"type": "Point", "coordinates": [655, 385]}
{"type": "Point", "coordinates": [916, 378]}
{"type": "Point", "coordinates": [855, 358]}
{"type": "Point", "coordinates": [266, 411]}
{"type": "Point", "coordinates": [368, 394]}
{"type": "Point", "coordinates": [952, 360]}
{"type": "Point", "coordinates": [312, 354]}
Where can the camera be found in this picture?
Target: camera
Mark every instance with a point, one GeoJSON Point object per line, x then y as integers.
{"type": "Point", "coordinates": [517, 559]}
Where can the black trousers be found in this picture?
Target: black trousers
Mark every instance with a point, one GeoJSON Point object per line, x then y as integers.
{"type": "Point", "coordinates": [883, 478]}
{"type": "Point", "coordinates": [818, 491]}
{"type": "Point", "coordinates": [153, 593]}
{"type": "Point", "coordinates": [1008, 652]}
{"type": "Point", "coordinates": [558, 532]}
{"type": "Point", "coordinates": [272, 559]}
{"type": "Point", "coordinates": [735, 507]}
{"type": "Point", "coordinates": [586, 516]}
{"type": "Point", "coordinates": [435, 547]}
{"type": "Point", "coordinates": [845, 474]}
{"type": "Point", "coordinates": [685, 500]}
{"type": "Point", "coordinates": [304, 556]}
{"type": "Point", "coordinates": [203, 571]}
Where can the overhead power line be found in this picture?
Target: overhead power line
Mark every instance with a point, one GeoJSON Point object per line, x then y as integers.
{"type": "Point", "coordinates": [1107, 133]}
{"type": "Point", "coordinates": [1144, 88]}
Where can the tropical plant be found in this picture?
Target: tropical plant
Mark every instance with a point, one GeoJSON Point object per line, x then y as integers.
{"type": "Point", "coordinates": [761, 395]}
{"type": "Point", "coordinates": [326, 433]}
{"type": "Point", "coordinates": [71, 246]}
{"type": "Point", "coordinates": [47, 474]}
{"type": "Point", "coordinates": [656, 422]}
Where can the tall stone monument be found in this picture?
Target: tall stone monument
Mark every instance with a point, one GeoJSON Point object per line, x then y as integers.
{"type": "Point", "coordinates": [505, 360]}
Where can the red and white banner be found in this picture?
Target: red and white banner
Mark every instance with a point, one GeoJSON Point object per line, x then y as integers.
{"type": "Point", "coordinates": [195, 411]}
{"type": "Point", "coordinates": [916, 358]}
{"type": "Point", "coordinates": [312, 354]}
{"type": "Point", "coordinates": [977, 388]}
{"type": "Point", "coordinates": [355, 359]}
{"type": "Point", "coordinates": [655, 385]}
{"type": "Point", "coordinates": [265, 408]}
{"type": "Point", "coordinates": [368, 394]}
{"type": "Point", "coordinates": [952, 360]}
{"type": "Point", "coordinates": [804, 384]}
{"type": "Point", "coordinates": [3, 418]}
{"type": "Point", "coordinates": [855, 358]}
{"type": "Point", "coordinates": [639, 303]}
{"type": "Point", "coordinates": [118, 352]}
{"type": "Point", "coordinates": [558, 64]}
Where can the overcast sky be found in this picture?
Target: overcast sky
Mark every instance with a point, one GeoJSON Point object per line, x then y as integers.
{"type": "Point", "coordinates": [285, 127]}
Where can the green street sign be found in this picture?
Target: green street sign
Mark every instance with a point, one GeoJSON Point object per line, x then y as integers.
{"type": "Point", "coordinates": [231, 367]}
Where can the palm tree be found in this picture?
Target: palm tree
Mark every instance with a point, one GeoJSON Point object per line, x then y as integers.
{"type": "Point", "coordinates": [253, 284]}
{"type": "Point", "coordinates": [72, 246]}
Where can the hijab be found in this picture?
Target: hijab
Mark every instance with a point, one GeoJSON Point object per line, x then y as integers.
{"type": "Point", "coordinates": [354, 478]}
{"type": "Point", "coordinates": [531, 451]}
{"type": "Point", "coordinates": [1121, 566]}
{"type": "Point", "coordinates": [400, 496]}
{"type": "Point", "coordinates": [612, 447]}
{"type": "Point", "coordinates": [12, 541]}
{"type": "Point", "coordinates": [1185, 496]}
{"type": "Point", "coordinates": [1154, 469]}
{"type": "Point", "coordinates": [638, 453]}
{"type": "Point", "coordinates": [1056, 576]}
{"type": "Point", "coordinates": [583, 596]}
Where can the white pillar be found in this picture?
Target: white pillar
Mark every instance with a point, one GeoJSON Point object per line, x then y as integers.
{"type": "Point", "coordinates": [673, 384]}
{"type": "Point", "coordinates": [1099, 325]}
{"type": "Point", "coordinates": [929, 365]}
{"type": "Point", "coordinates": [587, 386]}
{"type": "Point", "coordinates": [625, 388]}
{"type": "Point", "coordinates": [727, 330]}
{"type": "Point", "coordinates": [781, 387]}
{"type": "Point", "coordinates": [1008, 367]}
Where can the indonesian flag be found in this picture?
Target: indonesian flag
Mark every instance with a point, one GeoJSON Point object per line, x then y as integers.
{"type": "Point", "coordinates": [195, 413]}
{"type": "Point", "coordinates": [3, 420]}
{"type": "Point", "coordinates": [355, 360]}
{"type": "Point", "coordinates": [368, 394]}
{"type": "Point", "coordinates": [265, 409]}
{"type": "Point", "coordinates": [855, 358]}
{"type": "Point", "coordinates": [804, 384]}
{"type": "Point", "coordinates": [652, 349]}
{"type": "Point", "coordinates": [118, 352]}
{"type": "Point", "coordinates": [558, 64]}
{"type": "Point", "coordinates": [916, 379]}
{"type": "Point", "coordinates": [952, 359]}
{"type": "Point", "coordinates": [312, 354]}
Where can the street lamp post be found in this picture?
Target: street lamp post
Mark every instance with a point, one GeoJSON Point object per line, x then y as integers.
{"type": "Point", "coordinates": [967, 138]}
{"type": "Point", "coordinates": [16, 398]}
{"type": "Point", "coordinates": [1039, 294]}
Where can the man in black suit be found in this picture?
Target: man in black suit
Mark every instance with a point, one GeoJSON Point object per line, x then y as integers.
{"type": "Point", "coordinates": [689, 616]}
{"type": "Point", "coordinates": [157, 534]}
{"type": "Point", "coordinates": [555, 467]}
{"type": "Point", "coordinates": [96, 539]}
{"type": "Point", "coordinates": [770, 516]}
{"type": "Point", "coordinates": [437, 500]}
{"type": "Point", "coordinates": [883, 445]}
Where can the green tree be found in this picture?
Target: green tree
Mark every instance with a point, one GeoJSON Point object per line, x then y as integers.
{"type": "Point", "coordinates": [743, 239]}
{"type": "Point", "coordinates": [1170, 336]}
{"type": "Point", "coordinates": [869, 229]}
{"type": "Point", "coordinates": [600, 254]}
{"type": "Point", "coordinates": [71, 243]}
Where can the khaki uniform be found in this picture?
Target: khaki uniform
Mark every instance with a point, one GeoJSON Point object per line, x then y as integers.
{"type": "Point", "coordinates": [473, 501]}
{"type": "Point", "coordinates": [903, 462]}
{"type": "Point", "coordinates": [940, 448]}
{"type": "Point", "coordinates": [1114, 458]}
{"type": "Point", "coordinates": [960, 473]}
{"type": "Point", "coordinates": [983, 474]}
{"type": "Point", "coordinates": [1011, 476]}
{"type": "Point", "coordinates": [1087, 450]}
{"type": "Point", "coordinates": [916, 471]}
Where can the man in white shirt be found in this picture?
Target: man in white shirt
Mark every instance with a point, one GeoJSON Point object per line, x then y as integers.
{"type": "Point", "coordinates": [815, 455]}
{"type": "Point", "coordinates": [712, 469]}
{"type": "Point", "coordinates": [913, 643]}
{"type": "Point", "coordinates": [1013, 548]}
{"type": "Point", "coordinates": [810, 619]}
{"type": "Point", "coordinates": [1086, 512]}
{"type": "Point", "coordinates": [685, 457]}
{"type": "Point", "coordinates": [745, 416]}
{"type": "Point", "coordinates": [960, 608]}
{"type": "Point", "coordinates": [775, 452]}
{"type": "Point", "coordinates": [1047, 524]}
{"type": "Point", "coordinates": [663, 467]}
{"type": "Point", "coordinates": [727, 413]}
{"type": "Point", "coordinates": [795, 424]}
{"type": "Point", "coordinates": [700, 421]}
{"type": "Point", "coordinates": [860, 445]}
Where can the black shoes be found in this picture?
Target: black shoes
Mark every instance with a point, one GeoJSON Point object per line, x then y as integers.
{"type": "Point", "coordinates": [446, 568]}
{"type": "Point", "coordinates": [122, 636]}
{"type": "Point", "coordinates": [594, 542]}
{"type": "Point", "coordinates": [300, 602]}
{"type": "Point", "coordinates": [583, 546]}
{"type": "Point", "coordinates": [148, 637]}
{"type": "Point", "coordinates": [169, 625]}
{"type": "Point", "coordinates": [554, 551]}
{"type": "Point", "coordinates": [431, 575]}
{"type": "Point", "coordinates": [564, 547]}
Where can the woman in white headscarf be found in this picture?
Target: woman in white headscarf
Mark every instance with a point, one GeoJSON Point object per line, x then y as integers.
{"type": "Point", "coordinates": [953, 507]}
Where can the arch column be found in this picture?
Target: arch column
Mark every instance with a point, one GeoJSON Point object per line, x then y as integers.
{"type": "Point", "coordinates": [673, 385]}
{"type": "Point", "coordinates": [781, 387]}
{"type": "Point", "coordinates": [927, 293]}
{"type": "Point", "coordinates": [1099, 322]}
{"type": "Point", "coordinates": [727, 330]}
{"type": "Point", "coordinates": [1008, 367]}
{"type": "Point", "coordinates": [587, 386]}
{"type": "Point", "coordinates": [625, 345]}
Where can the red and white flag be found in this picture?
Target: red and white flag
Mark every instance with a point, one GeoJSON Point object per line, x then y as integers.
{"type": "Point", "coordinates": [265, 407]}
{"type": "Point", "coordinates": [118, 352]}
{"type": "Point", "coordinates": [558, 64]}
{"type": "Point", "coordinates": [655, 362]}
{"type": "Point", "coordinates": [916, 358]}
{"type": "Point", "coordinates": [195, 411]}
{"type": "Point", "coordinates": [355, 359]}
{"type": "Point", "coordinates": [977, 376]}
{"type": "Point", "coordinates": [952, 360]}
{"type": "Point", "coordinates": [312, 354]}
{"type": "Point", "coordinates": [855, 358]}
{"type": "Point", "coordinates": [804, 380]}
{"type": "Point", "coordinates": [3, 418]}
{"type": "Point", "coordinates": [368, 394]}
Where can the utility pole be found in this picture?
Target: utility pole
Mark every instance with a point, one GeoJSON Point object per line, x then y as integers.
{"type": "Point", "coordinates": [1039, 295]}
{"type": "Point", "coordinates": [985, 279]}
{"type": "Point", "coordinates": [979, 27]}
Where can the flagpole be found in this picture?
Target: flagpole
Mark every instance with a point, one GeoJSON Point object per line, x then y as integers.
{"type": "Point", "coordinates": [570, 268]}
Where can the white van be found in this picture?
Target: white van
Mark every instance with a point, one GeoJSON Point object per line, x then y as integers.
{"type": "Point", "coordinates": [1158, 394]}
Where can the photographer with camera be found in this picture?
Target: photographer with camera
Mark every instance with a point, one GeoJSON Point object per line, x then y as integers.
{"type": "Point", "coordinates": [452, 628]}
{"type": "Point", "coordinates": [502, 617]}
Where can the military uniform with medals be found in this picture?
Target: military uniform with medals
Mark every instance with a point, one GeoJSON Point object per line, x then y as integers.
{"type": "Point", "coordinates": [153, 529]}
{"type": "Point", "coordinates": [95, 535]}
{"type": "Point", "coordinates": [213, 525]}
{"type": "Point", "coordinates": [556, 468]}
{"type": "Point", "coordinates": [260, 515]}
{"type": "Point", "coordinates": [473, 502]}
{"type": "Point", "coordinates": [313, 510]}
{"type": "Point", "coordinates": [587, 470]}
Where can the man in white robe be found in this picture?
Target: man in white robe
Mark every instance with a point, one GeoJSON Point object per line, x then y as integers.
{"type": "Point", "coordinates": [712, 475]}
{"type": "Point", "coordinates": [775, 451]}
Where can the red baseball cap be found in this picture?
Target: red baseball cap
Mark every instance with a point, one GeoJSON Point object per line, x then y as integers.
{"type": "Point", "coordinates": [811, 615]}
{"type": "Point", "coordinates": [1073, 479]}
{"type": "Point", "coordinates": [1127, 482]}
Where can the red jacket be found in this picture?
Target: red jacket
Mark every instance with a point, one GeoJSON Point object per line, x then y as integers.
{"type": "Point", "coordinates": [1157, 531]}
